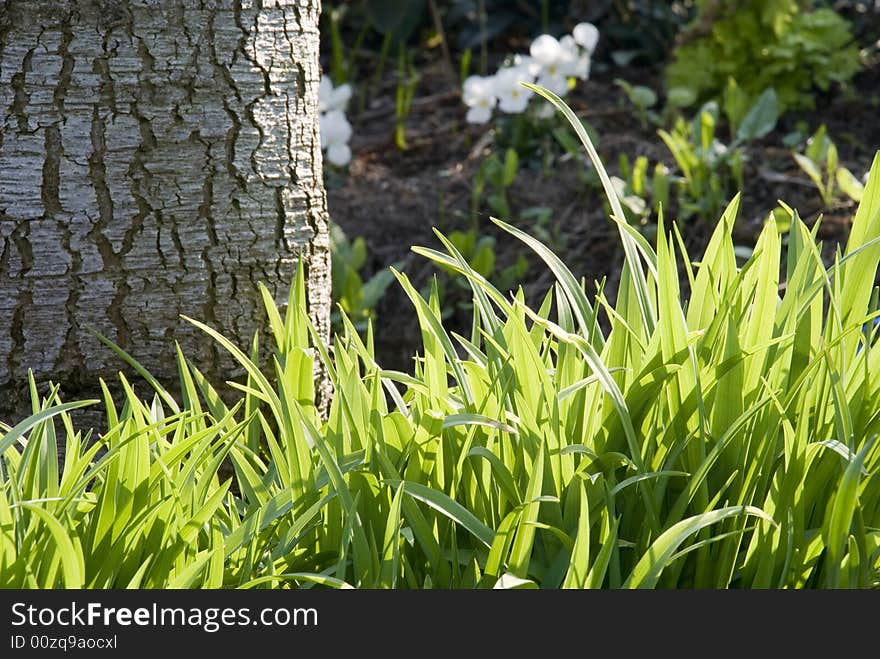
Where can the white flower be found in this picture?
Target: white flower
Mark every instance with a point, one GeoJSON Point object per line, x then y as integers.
{"type": "Point", "coordinates": [528, 64]}
{"type": "Point", "coordinates": [339, 154]}
{"type": "Point", "coordinates": [568, 61]}
{"type": "Point", "coordinates": [332, 98]}
{"type": "Point", "coordinates": [586, 35]}
{"type": "Point", "coordinates": [577, 60]}
{"type": "Point", "coordinates": [582, 67]}
{"type": "Point", "coordinates": [513, 98]}
{"type": "Point", "coordinates": [479, 114]}
{"type": "Point", "coordinates": [552, 63]}
{"type": "Point", "coordinates": [335, 128]}
{"type": "Point", "coordinates": [554, 80]}
{"type": "Point", "coordinates": [479, 95]}
{"type": "Point", "coordinates": [335, 133]}
{"type": "Point", "coordinates": [546, 50]}
{"type": "Point", "coordinates": [556, 63]}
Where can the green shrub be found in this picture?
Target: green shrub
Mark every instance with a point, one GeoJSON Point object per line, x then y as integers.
{"type": "Point", "coordinates": [765, 43]}
{"type": "Point", "coordinates": [725, 440]}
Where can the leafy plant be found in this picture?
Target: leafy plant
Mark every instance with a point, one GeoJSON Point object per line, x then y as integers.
{"type": "Point", "coordinates": [352, 296]}
{"type": "Point", "coordinates": [573, 151]}
{"type": "Point", "coordinates": [723, 437]}
{"type": "Point", "coordinates": [819, 161]}
{"type": "Point", "coordinates": [642, 99]}
{"type": "Point", "coordinates": [407, 81]}
{"type": "Point", "coordinates": [641, 192]}
{"type": "Point", "coordinates": [352, 27]}
{"type": "Point", "coordinates": [493, 179]}
{"type": "Point", "coordinates": [710, 171]}
{"type": "Point", "coordinates": [478, 251]}
{"type": "Point", "coordinates": [343, 67]}
{"type": "Point", "coordinates": [764, 43]}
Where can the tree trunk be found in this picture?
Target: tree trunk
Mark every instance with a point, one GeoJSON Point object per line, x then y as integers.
{"type": "Point", "coordinates": [157, 158]}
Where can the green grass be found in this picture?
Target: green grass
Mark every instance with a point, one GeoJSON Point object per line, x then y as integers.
{"type": "Point", "coordinates": [724, 441]}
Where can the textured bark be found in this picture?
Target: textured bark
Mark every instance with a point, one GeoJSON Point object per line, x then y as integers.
{"type": "Point", "coordinates": [157, 158]}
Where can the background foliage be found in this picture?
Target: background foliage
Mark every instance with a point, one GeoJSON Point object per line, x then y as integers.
{"type": "Point", "coordinates": [757, 44]}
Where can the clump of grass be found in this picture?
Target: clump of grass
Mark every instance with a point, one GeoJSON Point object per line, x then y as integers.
{"type": "Point", "coordinates": [723, 441]}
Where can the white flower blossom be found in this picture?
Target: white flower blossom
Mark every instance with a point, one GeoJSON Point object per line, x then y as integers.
{"type": "Point", "coordinates": [574, 63]}
{"type": "Point", "coordinates": [528, 65]}
{"type": "Point", "coordinates": [551, 63]}
{"type": "Point", "coordinates": [479, 95]}
{"type": "Point", "coordinates": [582, 70]}
{"type": "Point", "coordinates": [575, 60]}
{"type": "Point", "coordinates": [339, 154]}
{"type": "Point", "coordinates": [555, 60]}
{"type": "Point", "coordinates": [335, 133]}
{"type": "Point", "coordinates": [586, 35]}
{"type": "Point", "coordinates": [546, 50]}
{"type": "Point", "coordinates": [332, 98]}
{"type": "Point", "coordinates": [513, 98]}
{"type": "Point", "coordinates": [554, 80]}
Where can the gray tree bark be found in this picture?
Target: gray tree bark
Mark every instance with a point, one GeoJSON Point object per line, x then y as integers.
{"type": "Point", "coordinates": [157, 157]}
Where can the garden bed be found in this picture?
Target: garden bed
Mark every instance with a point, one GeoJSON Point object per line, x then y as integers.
{"type": "Point", "coordinates": [394, 199]}
{"type": "Point", "coordinates": [707, 419]}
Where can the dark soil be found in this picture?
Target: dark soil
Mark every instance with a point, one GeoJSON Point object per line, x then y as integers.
{"type": "Point", "coordinates": [394, 198]}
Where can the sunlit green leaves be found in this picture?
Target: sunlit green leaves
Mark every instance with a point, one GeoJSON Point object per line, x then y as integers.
{"type": "Point", "coordinates": [718, 438]}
